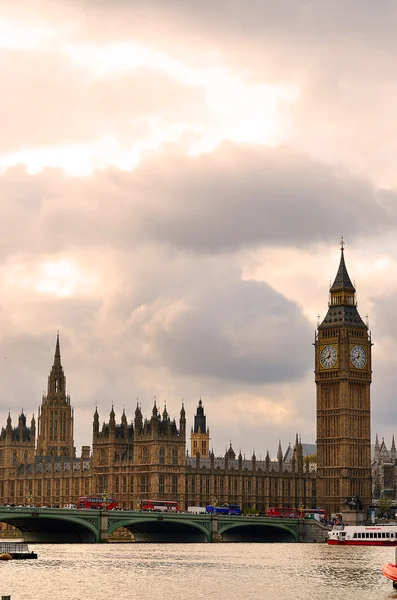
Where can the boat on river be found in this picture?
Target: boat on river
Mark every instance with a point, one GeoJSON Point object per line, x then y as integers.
{"type": "Point", "coordinates": [362, 535]}
{"type": "Point", "coordinates": [16, 551]}
{"type": "Point", "coordinates": [390, 571]}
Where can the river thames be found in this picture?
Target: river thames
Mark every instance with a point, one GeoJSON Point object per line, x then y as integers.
{"type": "Point", "coordinates": [199, 571]}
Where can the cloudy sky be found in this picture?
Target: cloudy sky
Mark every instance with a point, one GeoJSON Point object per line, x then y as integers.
{"type": "Point", "coordinates": [175, 177]}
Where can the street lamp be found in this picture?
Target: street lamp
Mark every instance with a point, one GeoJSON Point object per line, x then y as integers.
{"type": "Point", "coordinates": [104, 498]}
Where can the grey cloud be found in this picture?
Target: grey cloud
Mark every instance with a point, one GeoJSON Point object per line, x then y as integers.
{"type": "Point", "coordinates": [239, 331]}
{"type": "Point", "coordinates": [237, 197]}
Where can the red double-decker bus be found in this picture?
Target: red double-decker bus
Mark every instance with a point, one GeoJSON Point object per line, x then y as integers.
{"type": "Point", "coordinates": [159, 505]}
{"type": "Point", "coordinates": [280, 511]}
{"type": "Point", "coordinates": [97, 502]}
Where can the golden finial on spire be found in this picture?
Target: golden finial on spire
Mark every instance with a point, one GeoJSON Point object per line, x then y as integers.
{"type": "Point", "coordinates": [342, 243]}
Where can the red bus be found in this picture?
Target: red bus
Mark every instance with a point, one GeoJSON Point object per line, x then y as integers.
{"type": "Point", "coordinates": [97, 502]}
{"type": "Point", "coordinates": [159, 505]}
{"type": "Point", "coordinates": [280, 511]}
{"type": "Point", "coordinates": [306, 513]}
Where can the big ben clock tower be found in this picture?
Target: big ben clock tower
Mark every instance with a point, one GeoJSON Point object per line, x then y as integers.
{"type": "Point", "coordinates": [343, 379]}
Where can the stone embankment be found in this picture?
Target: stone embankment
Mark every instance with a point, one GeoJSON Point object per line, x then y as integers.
{"type": "Point", "coordinates": [313, 532]}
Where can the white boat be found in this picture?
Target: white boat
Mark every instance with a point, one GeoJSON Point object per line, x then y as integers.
{"type": "Point", "coordinates": [362, 535]}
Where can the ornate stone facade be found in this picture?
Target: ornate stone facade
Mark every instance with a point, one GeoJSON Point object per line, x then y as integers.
{"type": "Point", "coordinates": [138, 460]}
{"type": "Point", "coordinates": [343, 378]}
{"type": "Point", "coordinates": [384, 471]}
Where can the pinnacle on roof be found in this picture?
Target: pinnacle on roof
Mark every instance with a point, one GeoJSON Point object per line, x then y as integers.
{"type": "Point", "coordinates": [57, 356]}
{"type": "Point", "coordinates": [342, 280]}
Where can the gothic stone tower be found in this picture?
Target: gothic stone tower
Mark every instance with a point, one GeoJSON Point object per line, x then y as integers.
{"type": "Point", "coordinates": [343, 379]}
{"type": "Point", "coordinates": [200, 434]}
{"type": "Point", "coordinates": [55, 424]}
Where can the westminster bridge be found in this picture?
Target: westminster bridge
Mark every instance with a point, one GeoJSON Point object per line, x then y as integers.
{"type": "Point", "coordinates": [60, 525]}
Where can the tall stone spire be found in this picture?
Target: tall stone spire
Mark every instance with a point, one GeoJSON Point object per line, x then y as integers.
{"type": "Point", "coordinates": [57, 380]}
{"type": "Point", "coordinates": [342, 306]}
{"type": "Point", "coordinates": [55, 424]}
{"type": "Point", "coordinates": [342, 280]}
{"type": "Point", "coordinates": [280, 453]}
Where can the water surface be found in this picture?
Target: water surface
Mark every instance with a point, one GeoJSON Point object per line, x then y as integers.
{"type": "Point", "coordinates": [199, 571]}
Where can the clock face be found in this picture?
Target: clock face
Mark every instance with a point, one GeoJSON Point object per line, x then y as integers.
{"type": "Point", "coordinates": [358, 357]}
{"type": "Point", "coordinates": [328, 357]}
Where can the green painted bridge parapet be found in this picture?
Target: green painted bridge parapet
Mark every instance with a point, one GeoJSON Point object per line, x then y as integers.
{"type": "Point", "coordinates": [54, 525]}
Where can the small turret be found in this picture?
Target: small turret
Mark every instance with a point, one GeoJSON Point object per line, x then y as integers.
{"type": "Point", "coordinates": [138, 419]}
{"type": "Point", "coordinates": [182, 421]}
{"type": "Point", "coordinates": [393, 450]}
{"type": "Point", "coordinates": [280, 454]}
{"type": "Point", "coordinates": [124, 425]}
{"type": "Point", "coordinates": [377, 448]}
{"type": "Point", "coordinates": [9, 427]}
{"type": "Point", "coordinates": [95, 428]}
{"type": "Point", "coordinates": [33, 428]}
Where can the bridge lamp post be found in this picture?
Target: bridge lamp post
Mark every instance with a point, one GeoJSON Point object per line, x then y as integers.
{"type": "Point", "coordinates": [104, 498]}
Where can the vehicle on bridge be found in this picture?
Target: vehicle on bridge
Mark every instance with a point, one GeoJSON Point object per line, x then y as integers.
{"type": "Point", "coordinates": [294, 513]}
{"type": "Point", "coordinates": [159, 505]}
{"type": "Point", "coordinates": [196, 510]}
{"type": "Point", "coordinates": [225, 509]}
{"type": "Point", "coordinates": [282, 512]}
{"type": "Point", "coordinates": [97, 502]}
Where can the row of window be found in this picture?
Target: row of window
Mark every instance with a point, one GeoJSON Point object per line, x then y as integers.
{"type": "Point", "coordinates": [144, 456]}
{"type": "Point", "coordinates": [373, 535]}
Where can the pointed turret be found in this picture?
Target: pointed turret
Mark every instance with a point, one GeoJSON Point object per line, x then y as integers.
{"type": "Point", "coordinates": [200, 419]}
{"type": "Point", "coordinates": [280, 453]}
{"type": "Point", "coordinates": [200, 437]}
{"type": "Point", "coordinates": [393, 453]}
{"type": "Point", "coordinates": [112, 423]}
{"type": "Point", "coordinates": [376, 447]}
{"type": "Point", "coordinates": [342, 281]}
{"type": "Point", "coordinates": [95, 427]}
{"type": "Point", "coordinates": [155, 411]}
{"type": "Point", "coordinates": [182, 420]}
{"type": "Point", "coordinates": [33, 427]}
{"type": "Point", "coordinates": [138, 419]}
{"type": "Point", "coordinates": [267, 460]}
{"type": "Point", "coordinates": [342, 307]}
{"type": "Point", "coordinates": [57, 355]}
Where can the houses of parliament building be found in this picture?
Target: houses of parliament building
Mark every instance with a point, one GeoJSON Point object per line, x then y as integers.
{"type": "Point", "coordinates": [151, 458]}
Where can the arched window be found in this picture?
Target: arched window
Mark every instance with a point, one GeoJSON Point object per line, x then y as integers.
{"type": "Point", "coordinates": [14, 457]}
{"type": "Point", "coordinates": [175, 456]}
{"type": "Point", "coordinates": [162, 455]}
{"type": "Point", "coordinates": [25, 456]}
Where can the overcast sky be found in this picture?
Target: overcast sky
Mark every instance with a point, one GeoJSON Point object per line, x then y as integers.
{"type": "Point", "coordinates": [175, 178]}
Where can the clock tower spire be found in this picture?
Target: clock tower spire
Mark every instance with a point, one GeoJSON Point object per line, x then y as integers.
{"type": "Point", "coordinates": [343, 378]}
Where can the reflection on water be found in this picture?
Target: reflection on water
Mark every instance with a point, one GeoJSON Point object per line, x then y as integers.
{"type": "Point", "coordinates": [198, 571]}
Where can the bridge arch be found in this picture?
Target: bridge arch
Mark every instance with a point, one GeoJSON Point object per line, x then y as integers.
{"type": "Point", "coordinates": [159, 528]}
{"type": "Point", "coordinates": [41, 527]}
{"type": "Point", "coordinates": [252, 531]}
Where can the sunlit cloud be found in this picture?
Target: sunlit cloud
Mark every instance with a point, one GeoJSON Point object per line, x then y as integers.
{"type": "Point", "coordinates": [57, 278]}
{"type": "Point", "coordinates": [233, 108]}
{"type": "Point", "coordinates": [18, 36]}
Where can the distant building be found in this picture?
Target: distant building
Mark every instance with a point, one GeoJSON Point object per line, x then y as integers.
{"type": "Point", "coordinates": [384, 471]}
